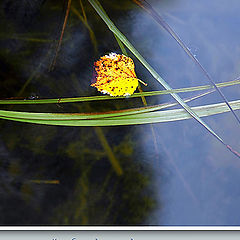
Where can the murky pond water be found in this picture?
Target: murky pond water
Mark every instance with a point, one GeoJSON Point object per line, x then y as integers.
{"type": "Point", "coordinates": [172, 173]}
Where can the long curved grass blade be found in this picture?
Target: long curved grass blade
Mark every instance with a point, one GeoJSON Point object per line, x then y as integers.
{"type": "Point", "coordinates": [148, 8]}
{"type": "Point", "coordinates": [117, 117]}
{"type": "Point", "coordinates": [96, 5]}
{"type": "Point", "coordinates": [98, 98]}
{"type": "Point", "coordinates": [82, 116]}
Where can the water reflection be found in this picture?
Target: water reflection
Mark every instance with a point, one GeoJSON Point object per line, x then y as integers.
{"type": "Point", "coordinates": [165, 174]}
{"type": "Point", "coordinates": [201, 188]}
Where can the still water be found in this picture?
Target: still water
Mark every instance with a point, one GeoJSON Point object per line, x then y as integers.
{"type": "Point", "coordinates": [172, 173]}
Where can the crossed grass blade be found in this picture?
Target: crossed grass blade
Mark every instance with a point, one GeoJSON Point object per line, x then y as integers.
{"type": "Point", "coordinates": [149, 9]}
{"type": "Point", "coordinates": [101, 12]}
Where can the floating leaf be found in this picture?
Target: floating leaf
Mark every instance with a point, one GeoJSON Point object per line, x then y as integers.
{"type": "Point", "coordinates": [115, 75]}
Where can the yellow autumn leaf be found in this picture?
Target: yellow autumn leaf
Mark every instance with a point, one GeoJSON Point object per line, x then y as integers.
{"type": "Point", "coordinates": [115, 75]}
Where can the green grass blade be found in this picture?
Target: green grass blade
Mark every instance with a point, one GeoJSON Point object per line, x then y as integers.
{"type": "Point", "coordinates": [100, 98]}
{"type": "Point", "coordinates": [114, 118]}
{"type": "Point", "coordinates": [82, 116]}
{"type": "Point", "coordinates": [66, 119]}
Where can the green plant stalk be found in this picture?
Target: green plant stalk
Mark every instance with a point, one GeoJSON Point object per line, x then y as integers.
{"type": "Point", "coordinates": [114, 119]}
{"type": "Point", "coordinates": [100, 98]}
{"type": "Point", "coordinates": [96, 5]}
{"type": "Point", "coordinates": [83, 116]}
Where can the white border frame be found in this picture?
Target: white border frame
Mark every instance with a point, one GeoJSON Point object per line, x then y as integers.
{"type": "Point", "coordinates": [129, 228]}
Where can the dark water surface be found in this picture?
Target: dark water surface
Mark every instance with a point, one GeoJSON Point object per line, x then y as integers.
{"type": "Point", "coordinates": [117, 175]}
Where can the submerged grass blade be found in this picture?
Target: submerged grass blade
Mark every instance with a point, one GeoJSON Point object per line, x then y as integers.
{"type": "Point", "coordinates": [28, 39]}
{"type": "Point", "coordinates": [61, 36]}
{"type": "Point", "coordinates": [98, 98]}
{"type": "Point", "coordinates": [38, 181]}
{"type": "Point", "coordinates": [85, 22]}
{"type": "Point", "coordinates": [113, 159]}
{"type": "Point", "coordinates": [121, 45]}
{"type": "Point", "coordinates": [106, 146]}
{"type": "Point", "coordinates": [96, 5]}
{"type": "Point", "coordinates": [148, 8]}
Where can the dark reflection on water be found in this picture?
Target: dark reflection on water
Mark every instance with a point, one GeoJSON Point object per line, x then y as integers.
{"type": "Point", "coordinates": [117, 175]}
{"type": "Point", "coordinates": [65, 175]}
